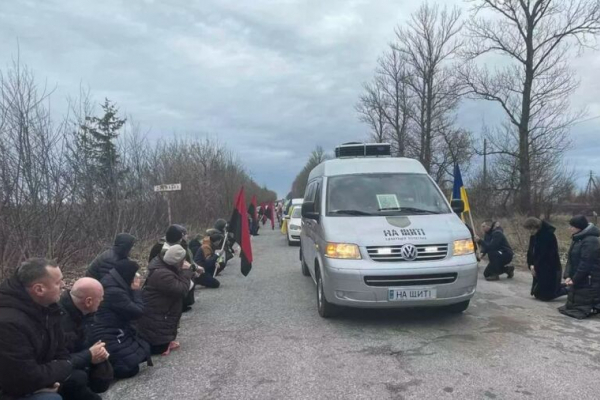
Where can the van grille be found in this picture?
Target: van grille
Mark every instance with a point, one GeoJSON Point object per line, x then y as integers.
{"type": "Point", "coordinates": [411, 280]}
{"type": "Point", "coordinates": [425, 252]}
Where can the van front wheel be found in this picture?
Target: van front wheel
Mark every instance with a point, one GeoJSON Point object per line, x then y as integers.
{"type": "Point", "coordinates": [458, 307]}
{"type": "Point", "coordinates": [325, 308]}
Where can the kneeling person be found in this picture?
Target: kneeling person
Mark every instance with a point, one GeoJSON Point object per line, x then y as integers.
{"type": "Point", "coordinates": [498, 250]}
{"type": "Point", "coordinates": [78, 306]}
{"type": "Point", "coordinates": [33, 358]}
{"type": "Point", "coordinates": [168, 284]}
{"type": "Point", "coordinates": [208, 258]}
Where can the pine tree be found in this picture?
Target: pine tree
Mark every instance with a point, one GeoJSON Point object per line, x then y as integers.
{"type": "Point", "coordinates": [97, 142]}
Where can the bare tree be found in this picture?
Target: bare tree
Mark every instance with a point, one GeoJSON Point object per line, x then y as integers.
{"type": "Point", "coordinates": [428, 43]}
{"type": "Point", "coordinates": [416, 92]}
{"type": "Point", "coordinates": [371, 110]}
{"type": "Point", "coordinates": [392, 78]}
{"type": "Point", "coordinates": [52, 201]}
{"type": "Point", "coordinates": [532, 86]}
{"type": "Point", "coordinates": [317, 156]}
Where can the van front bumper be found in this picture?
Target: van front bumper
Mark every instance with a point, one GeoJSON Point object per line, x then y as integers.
{"type": "Point", "coordinates": [346, 286]}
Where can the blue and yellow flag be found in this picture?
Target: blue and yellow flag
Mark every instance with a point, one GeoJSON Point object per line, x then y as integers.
{"type": "Point", "coordinates": [459, 191]}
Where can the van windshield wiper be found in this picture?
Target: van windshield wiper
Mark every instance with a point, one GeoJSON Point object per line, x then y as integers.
{"type": "Point", "coordinates": [410, 209]}
{"type": "Point", "coordinates": [349, 212]}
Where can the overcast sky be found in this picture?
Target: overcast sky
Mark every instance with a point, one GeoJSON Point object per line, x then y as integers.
{"type": "Point", "coordinates": [269, 78]}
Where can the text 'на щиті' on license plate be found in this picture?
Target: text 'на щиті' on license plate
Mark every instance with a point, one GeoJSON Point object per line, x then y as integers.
{"type": "Point", "coordinates": [416, 293]}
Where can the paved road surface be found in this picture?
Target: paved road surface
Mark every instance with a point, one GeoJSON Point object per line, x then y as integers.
{"type": "Point", "coordinates": [260, 337]}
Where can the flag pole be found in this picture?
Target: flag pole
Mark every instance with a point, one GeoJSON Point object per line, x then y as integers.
{"type": "Point", "coordinates": [222, 251]}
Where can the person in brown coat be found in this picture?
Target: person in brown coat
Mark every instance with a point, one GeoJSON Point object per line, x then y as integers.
{"type": "Point", "coordinates": [167, 285]}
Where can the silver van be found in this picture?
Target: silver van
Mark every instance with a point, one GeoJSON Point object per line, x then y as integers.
{"type": "Point", "coordinates": [378, 232]}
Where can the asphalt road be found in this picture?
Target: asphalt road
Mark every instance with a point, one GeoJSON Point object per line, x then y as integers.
{"type": "Point", "coordinates": [260, 337]}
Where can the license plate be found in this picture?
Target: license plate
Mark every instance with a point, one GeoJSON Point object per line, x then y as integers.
{"type": "Point", "coordinates": [408, 294]}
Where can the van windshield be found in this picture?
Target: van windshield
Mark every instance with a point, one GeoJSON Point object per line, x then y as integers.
{"type": "Point", "coordinates": [384, 194]}
{"type": "Point", "coordinates": [297, 213]}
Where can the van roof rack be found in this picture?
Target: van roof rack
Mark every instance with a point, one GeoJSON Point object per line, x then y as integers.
{"type": "Point", "coordinates": [355, 149]}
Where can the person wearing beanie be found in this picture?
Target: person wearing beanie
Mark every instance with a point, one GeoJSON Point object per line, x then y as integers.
{"type": "Point", "coordinates": [177, 234]}
{"type": "Point", "coordinates": [168, 283]}
{"type": "Point", "coordinates": [106, 260]}
{"type": "Point", "coordinates": [496, 246]}
{"type": "Point", "coordinates": [174, 235]}
{"type": "Point", "coordinates": [582, 273]}
{"type": "Point", "coordinates": [122, 304]}
{"type": "Point", "coordinates": [222, 226]}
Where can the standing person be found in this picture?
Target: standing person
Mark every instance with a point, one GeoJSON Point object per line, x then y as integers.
{"type": "Point", "coordinates": [543, 260]}
{"type": "Point", "coordinates": [582, 273]}
{"type": "Point", "coordinates": [106, 260]}
{"type": "Point", "coordinates": [78, 306]}
{"type": "Point", "coordinates": [498, 250]}
{"type": "Point", "coordinates": [167, 285]}
{"type": "Point", "coordinates": [34, 361]}
{"type": "Point", "coordinates": [113, 323]}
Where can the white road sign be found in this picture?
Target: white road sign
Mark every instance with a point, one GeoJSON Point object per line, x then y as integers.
{"type": "Point", "coordinates": [168, 187]}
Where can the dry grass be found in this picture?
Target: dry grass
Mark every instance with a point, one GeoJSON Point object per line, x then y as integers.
{"type": "Point", "coordinates": [518, 236]}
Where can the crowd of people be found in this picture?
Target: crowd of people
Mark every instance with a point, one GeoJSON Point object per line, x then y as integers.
{"type": "Point", "coordinates": [580, 280]}
{"type": "Point", "coordinates": [71, 344]}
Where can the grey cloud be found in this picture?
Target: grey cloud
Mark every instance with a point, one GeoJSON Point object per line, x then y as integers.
{"type": "Point", "coordinates": [271, 79]}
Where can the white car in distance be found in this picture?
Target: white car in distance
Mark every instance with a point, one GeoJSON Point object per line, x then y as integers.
{"type": "Point", "coordinates": [294, 227]}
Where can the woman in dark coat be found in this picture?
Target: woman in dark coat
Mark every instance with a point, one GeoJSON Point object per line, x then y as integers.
{"type": "Point", "coordinates": [122, 304]}
{"type": "Point", "coordinates": [582, 274]}
{"type": "Point", "coordinates": [165, 289]}
{"type": "Point", "coordinates": [544, 261]}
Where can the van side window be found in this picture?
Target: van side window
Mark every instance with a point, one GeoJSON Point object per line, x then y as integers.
{"type": "Point", "coordinates": [309, 194]}
{"type": "Point", "coordinates": [318, 197]}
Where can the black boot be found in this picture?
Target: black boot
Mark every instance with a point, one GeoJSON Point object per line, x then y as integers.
{"type": "Point", "coordinates": [510, 271]}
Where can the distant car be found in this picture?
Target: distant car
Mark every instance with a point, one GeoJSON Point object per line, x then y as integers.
{"type": "Point", "coordinates": [294, 226]}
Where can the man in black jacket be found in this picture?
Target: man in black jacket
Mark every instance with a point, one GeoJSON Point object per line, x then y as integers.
{"type": "Point", "coordinates": [78, 307]}
{"type": "Point", "coordinates": [498, 250]}
{"type": "Point", "coordinates": [33, 356]}
{"type": "Point", "coordinates": [106, 260]}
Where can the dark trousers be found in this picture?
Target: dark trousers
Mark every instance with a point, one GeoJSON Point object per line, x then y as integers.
{"type": "Point", "coordinates": [76, 387]}
{"type": "Point", "coordinates": [498, 263]}
{"type": "Point", "coordinates": [127, 373]}
{"type": "Point", "coordinates": [207, 279]}
{"type": "Point", "coordinates": [43, 396]}
{"type": "Point", "coordinates": [189, 299]}
{"type": "Point", "coordinates": [159, 348]}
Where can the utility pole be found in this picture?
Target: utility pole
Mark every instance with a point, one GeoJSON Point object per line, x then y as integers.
{"type": "Point", "coordinates": [484, 164]}
{"type": "Point", "coordinates": [591, 186]}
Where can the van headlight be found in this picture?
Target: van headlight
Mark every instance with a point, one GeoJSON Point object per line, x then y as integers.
{"type": "Point", "coordinates": [346, 251]}
{"type": "Point", "coordinates": [295, 227]}
{"type": "Point", "coordinates": [463, 247]}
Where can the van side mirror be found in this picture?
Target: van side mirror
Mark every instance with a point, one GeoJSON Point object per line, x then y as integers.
{"type": "Point", "coordinates": [458, 206]}
{"type": "Point", "coordinates": [308, 210]}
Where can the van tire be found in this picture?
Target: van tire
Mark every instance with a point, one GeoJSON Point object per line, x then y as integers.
{"type": "Point", "coordinates": [289, 241]}
{"type": "Point", "coordinates": [458, 307]}
{"type": "Point", "coordinates": [325, 308]}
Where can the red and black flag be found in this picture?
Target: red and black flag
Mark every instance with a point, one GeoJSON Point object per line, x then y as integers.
{"type": "Point", "coordinates": [239, 227]}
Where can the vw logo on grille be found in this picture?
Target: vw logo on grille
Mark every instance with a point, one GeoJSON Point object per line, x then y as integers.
{"type": "Point", "coordinates": [408, 252]}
